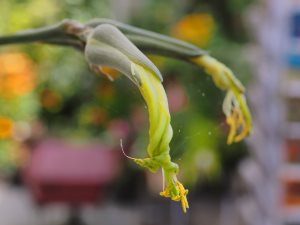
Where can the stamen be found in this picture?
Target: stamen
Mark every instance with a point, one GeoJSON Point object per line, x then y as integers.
{"type": "Point", "coordinates": [232, 129]}
{"type": "Point", "coordinates": [163, 178]}
{"type": "Point", "coordinates": [121, 145]}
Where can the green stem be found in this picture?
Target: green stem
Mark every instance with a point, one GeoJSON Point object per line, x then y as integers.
{"type": "Point", "coordinates": [62, 33]}
{"type": "Point", "coordinates": [71, 33]}
{"type": "Point", "coordinates": [72, 42]}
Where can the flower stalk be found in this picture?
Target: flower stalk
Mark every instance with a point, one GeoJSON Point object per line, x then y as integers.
{"type": "Point", "coordinates": [107, 46]}
{"type": "Point", "coordinates": [108, 43]}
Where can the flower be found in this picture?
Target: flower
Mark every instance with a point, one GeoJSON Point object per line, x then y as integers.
{"type": "Point", "coordinates": [17, 75]}
{"type": "Point", "coordinates": [160, 135]}
{"type": "Point", "coordinates": [235, 108]}
{"type": "Point", "coordinates": [195, 28]}
{"type": "Point", "coordinates": [107, 46]}
{"type": "Point", "coordinates": [6, 127]}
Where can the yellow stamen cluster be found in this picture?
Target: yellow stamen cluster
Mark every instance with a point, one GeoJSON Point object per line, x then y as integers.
{"type": "Point", "coordinates": [237, 117]}
{"type": "Point", "coordinates": [181, 196]}
{"type": "Point", "coordinates": [236, 121]}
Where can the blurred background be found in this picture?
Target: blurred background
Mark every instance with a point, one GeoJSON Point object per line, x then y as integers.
{"type": "Point", "coordinates": [61, 125]}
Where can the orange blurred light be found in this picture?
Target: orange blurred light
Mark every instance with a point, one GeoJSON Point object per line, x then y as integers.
{"type": "Point", "coordinates": [17, 75]}
{"type": "Point", "coordinates": [99, 116]}
{"type": "Point", "coordinates": [51, 100]}
{"type": "Point", "coordinates": [6, 127]}
{"type": "Point", "coordinates": [195, 28]}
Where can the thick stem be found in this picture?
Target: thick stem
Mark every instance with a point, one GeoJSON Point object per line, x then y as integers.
{"type": "Point", "coordinates": [73, 33]}
{"type": "Point", "coordinates": [63, 33]}
{"type": "Point", "coordinates": [72, 42]}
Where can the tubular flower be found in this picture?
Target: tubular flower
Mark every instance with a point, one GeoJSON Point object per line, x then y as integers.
{"type": "Point", "coordinates": [107, 46]}
{"type": "Point", "coordinates": [160, 135]}
{"type": "Point", "coordinates": [235, 108]}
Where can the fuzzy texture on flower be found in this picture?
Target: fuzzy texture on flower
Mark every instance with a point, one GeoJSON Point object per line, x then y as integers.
{"type": "Point", "coordinates": [107, 46]}
{"type": "Point", "coordinates": [235, 108]}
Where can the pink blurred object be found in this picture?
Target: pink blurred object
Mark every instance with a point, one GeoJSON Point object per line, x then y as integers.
{"type": "Point", "coordinates": [177, 97]}
{"type": "Point", "coordinates": [61, 172]}
{"type": "Point", "coordinates": [119, 129]}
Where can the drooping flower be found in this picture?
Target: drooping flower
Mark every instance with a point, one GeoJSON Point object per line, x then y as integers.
{"type": "Point", "coordinates": [107, 46]}
{"type": "Point", "coordinates": [160, 135]}
{"type": "Point", "coordinates": [235, 108]}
